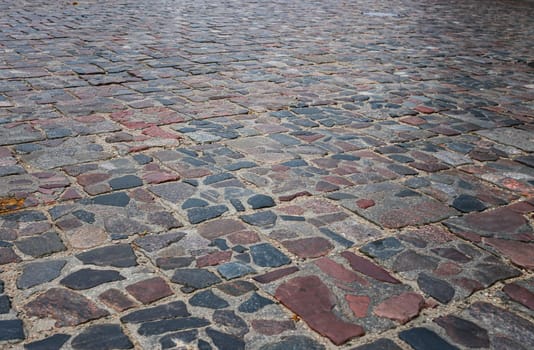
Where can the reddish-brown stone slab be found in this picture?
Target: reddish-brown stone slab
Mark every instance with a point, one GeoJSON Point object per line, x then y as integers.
{"type": "Point", "coordinates": [117, 300]}
{"type": "Point", "coordinates": [272, 327]}
{"type": "Point", "coordinates": [521, 253]}
{"type": "Point", "coordinates": [401, 308]}
{"type": "Point", "coordinates": [311, 247]}
{"type": "Point", "coordinates": [299, 293]}
{"type": "Point", "coordinates": [276, 274]}
{"type": "Point", "coordinates": [68, 308]}
{"type": "Point", "coordinates": [520, 294]}
{"type": "Point", "coordinates": [214, 258]}
{"type": "Point", "coordinates": [359, 304]}
{"type": "Point", "coordinates": [368, 268]}
{"type": "Point", "coordinates": [221, 227]}
{"type": "Point", "coordinates": [338, 271]}
{"type": "Point", "coordinates": [149, 290]}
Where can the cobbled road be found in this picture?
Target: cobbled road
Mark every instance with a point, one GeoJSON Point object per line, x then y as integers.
{"type": "Point", "coordinates": [271, 175]}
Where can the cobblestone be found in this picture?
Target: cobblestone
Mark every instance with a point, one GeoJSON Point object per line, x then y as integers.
{"type": "Point", "coordinates": [266, 175]}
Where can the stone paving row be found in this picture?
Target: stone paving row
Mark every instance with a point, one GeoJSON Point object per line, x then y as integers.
{"type": "Point", "coordinates": [266, 175]}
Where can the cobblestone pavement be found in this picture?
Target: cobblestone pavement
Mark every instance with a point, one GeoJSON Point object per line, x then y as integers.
{"type": "Point", "coordinates": [272, 175]}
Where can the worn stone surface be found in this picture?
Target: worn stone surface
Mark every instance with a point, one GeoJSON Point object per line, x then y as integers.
{"type": "Point", "coordinates": [266, 175]}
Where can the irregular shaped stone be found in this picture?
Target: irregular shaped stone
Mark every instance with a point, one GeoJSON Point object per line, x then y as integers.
{"type": "Point", "coordinates": [423, 339]}
{"type": "Point", "coordinates": [311, 247]}
{"type": "Point", "coordinates": [51, 343]}
{"type": "Point", "coordinates": [102, 336]}
{"type": "Point", "coordinates": [225, 341]}
{"type": "Point", "coordinates": [294, 342]}
{"type": "Point", "coordinates": [11, 330]}
{"type": "Point", "coordinates": [520, 253]}
{"type": "Point", "coordinates": [233, 323]}
{"type": "Point", "coordinates": [173, 309]}
{"type": "Point", "coordinates": [68, 308]}
{"type": "Point", "coordinates": [264, 219]}
{"type": "Point", "coordinates": [8, 256]}
{"type": "Point", "coordinates": [214, 259]}
{"type": "Point", "coordinates": [276, 274]}
{"type": "Point", "coordinates": [464, 332]}
{"type": "Point", "coordinates": [125, 182]}
{"type": "Point", "coordinates": [255, 303]}
{"type": "Point", "coordinates": [436, 288]}
{"type": "Point", "coordinates": [301, 292]}
{"type": "Point", "coordinates": [272, 327]}
{"type": "Point", "coordinates": [236, 288]}
{"type": "Point", "coordinates": [39, 272]}
{"type": "Point", "coordinates": [338, 271]}
{"type": "Point", "coordinates": [216, 228]}
{"type": "Point", "coordinates": [520, 294]}
{"type": "Point", "coordinates": [380, 344]}
{"type": "Point", "coordinates": [117, 300]}
{"type": "Point", "coordinates": [39, 246]}
{"type": "Point", "coordinates": [209, 300]}
{"type": "Point", "coordinates": [266, 255]}
{"type": "Point", "coordinates": [383, 248]}
{"type": "Point", "coordinates": [150, 290]}
{"type": "Point", "coordinates": [152, 243]}
{"type": "Point", "coordinates": [5, 304]}
{"type": "Point", "coordinates": [174, 192]}
{"type": "Point", "coordinates": [466, 204]}
{"type": "Point", "coordinates": [177, 324]}
{"type": "Point", "coordinates": [198, 215]}
{"type": "Point", "coordinates": [410, 260]}
{"type": "Point", "coordinates": [89, 278]}
{"type": "Point", "coordinates": [119, 199]}
{"type": "Point", "coordinates": [368, 268]}
{"type": "Point", "coordinates": [193, 279]}
{"type": "Point", "coordinates": [401, 308]}
{"type": "Point", "coordinates": [234, 269]}
{"type": "Point", "coordinates": [118, 255]}
{"type": "Point", "coordinates": [261, 201]}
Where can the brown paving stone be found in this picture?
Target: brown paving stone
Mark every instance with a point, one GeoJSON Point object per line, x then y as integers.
{"type": "Point", "coordinates": [149, 290]}
{"type": "Point", "coordinates": [401, 308]}
{"type": "Point", "coordinates": [368, 268]}
{"type": "Point", "coordinates": [68, 308]}
{"type": "Point", "coordinates": [213, 259]}
{"type": "Point", "coordinates": [359, 304]}
{"type": "Point", "coordinates": [520, 294]}
{"type": "Point", "coordinates": [275, 274]}
{"type": "Point", "coordinates": [272, 327]}
{"type": "Point", "coordinates": [301, 292]}
{"type": "Point", "coordinates": [309, 247]}
{"type": "Point", "coordinates": [117, 300]}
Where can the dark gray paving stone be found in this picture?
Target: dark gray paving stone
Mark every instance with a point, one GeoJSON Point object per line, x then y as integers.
{"type": "Point", "coordinates": [208, 300]}
{"type": "Point", "coordinates": [380, 344]}
{"type": "Point", "coordinates": [171, 310]}
{"type": "Point", "coordinates": [194, 203]}
{"type": "Point", "coordinates": [89, 278]}
{"type": "Point", "coordinates": [466, 204]}
{"type": "Point", "coordinates": [164, 326]}
{"type": "Point", "coordinates": [464, 332]}
{"type": "Point", "coordinates": [119, 199]}
{"type": "Point", "coordinates": [85, 216]}
{"type": "Point", "coordinates": [234, 269]}
{"type": "Point", "coordinates": [203, 345]}
{"type": "Point", "coordinates": [11, 330]}
{"type": "Point", "coordinates": [261, 201]}
{"type": "Point", "coordinates": [5, 304]}
{"type": "Point", "coordinates": [38, 246]}
{"type": "Point", "coordinates": [193, 279]}
{"type": "Point", "coordinates": [263, 219]}
{"type": "Point", "coordinates": [170, 340]}
{"type": "Point", "coordinates": [294, 342]}
{"type": "Point", "coordinates": [125, 182]}
{"type": "Point", "coordinates": [424, 339]}
{"type": "Point", "coordinates": [54, 342]}
{"type": "Point", "coordinates": [225, 341]}
{"type": "Point", "coordinates": [255, 303]}
{"type": "Point", "coordinates": [104, 337]}
{"type": "Point", "coordinates": [39, 272]}
{"type": "Point", "coordinates": [198, 215]}
{"type": "Point", "coordinates": [152, 243]}
{"type": "Point", "coordinates": [233, 323]}
{"type": "Point", "coordinates": [383, 248]}
{"type": "Point", "coordinates": [436, 288]}
{"type": "Point", "coordinates": [118, 255]}
{"type": "Point", "coordinates": [266, 255]}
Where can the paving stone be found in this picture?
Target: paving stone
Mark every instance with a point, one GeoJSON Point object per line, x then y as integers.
{"type": "Point", "coordinates": [380, 344]}
{"type": "Point", "coordinates": [272, 327]}
{"type": "Point", "coordinates": [171, 325]}
{"type": "Point", "coordinates": [5, 304]}
{"type": "Point", "coordinates": [368, 268]}
{"type": "Point", "coordinates": [120, 255]}
{"type": "Point", "coordinates": [40, 272]}
{"type": "Point", "coordinates": [236, 288]}
{"type": "Point", "coordinates": [294, 342]}
{"type": "Point", "coordinates": [104, 336]}
{"type": "Point", "coordinates": [170, 310]}
{"type": "Point", "coordinates": [150, 290]}
{"type": "Point", "coordinates": [208, 299]}
{"type": "Point", "coordinates": [260, 201]}
{"type": "Point", "coordinates": [422, 338]}
{"type": "Point", "coordinates": [262, 219]}
{"type": "Point", "coordinates": [42, 245]}
{"type": "Point", "coordinates": [254, 304]}
{"type": "Point", "coordinates": [198, 215]}
{"type": "Point", "coordinates": [401, 308]}
{"type": "Point", "coordinates": [225, 341]}
{"type": "Point", "coordinates": [233, 270]}
{"type": "Point", "coordinates": [266, 255]}
{"type": "Point", "coordinates": [300, 292]}
{"type": "Point", "coordinates": [89, 278]}
{"type": "Point", "coordinates": [464, 332]}
{"type": "Point", "coordinates": [11, 330]}
{"type": "Point", "coordinates": [68, 308]}
{"type": "Point", "coordinates": [520, 294]}
{"type": "Point", "coordinates": [193, 279]}
{"type": "Point", "coordinates": [233, 323]}
{"type": "Point", "coordinates": [309, 247]}
{"type": "Point", "coordinates": [117, 300]}
{"type": "Point", "coordinates": [53, 342]}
